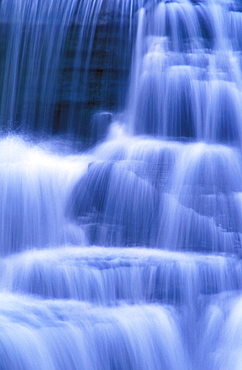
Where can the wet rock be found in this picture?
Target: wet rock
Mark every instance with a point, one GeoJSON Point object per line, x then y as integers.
{"type": "Point", "coordinates": [99, 125]}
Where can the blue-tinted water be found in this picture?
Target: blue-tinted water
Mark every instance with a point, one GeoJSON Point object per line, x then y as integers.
{"type": "Point", "coordinates": [124, 255]}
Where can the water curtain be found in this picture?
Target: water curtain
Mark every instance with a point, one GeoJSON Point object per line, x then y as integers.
{"type": "Point", "coordinates": [121, 185]}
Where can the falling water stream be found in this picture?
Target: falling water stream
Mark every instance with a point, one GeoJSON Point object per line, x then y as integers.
{"type": "Point", "coordinates": [121, 252]}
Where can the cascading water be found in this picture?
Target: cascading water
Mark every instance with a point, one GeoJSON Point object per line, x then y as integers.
{"type": "Point", "coordinates": [125, 255]}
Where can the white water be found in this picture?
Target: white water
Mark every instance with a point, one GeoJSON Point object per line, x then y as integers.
{"type": "Point", "coordinates": [126, 256]}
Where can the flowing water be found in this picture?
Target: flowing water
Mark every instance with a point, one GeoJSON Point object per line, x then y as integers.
{"type": "Point", "coordinates": [125, 255]}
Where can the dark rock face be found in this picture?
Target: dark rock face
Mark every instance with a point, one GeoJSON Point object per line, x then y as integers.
{"type": "Point", "coordinates": [101, 86]}
{"type": "Point", "coordinates": [62, 74]}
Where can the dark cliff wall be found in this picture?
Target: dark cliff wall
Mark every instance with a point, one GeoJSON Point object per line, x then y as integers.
{"type": "Point", "coordinates": [86, 74]}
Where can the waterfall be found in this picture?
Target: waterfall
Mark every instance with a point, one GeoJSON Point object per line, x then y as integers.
{"type": "Point", "coordinates": [121, 185]}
